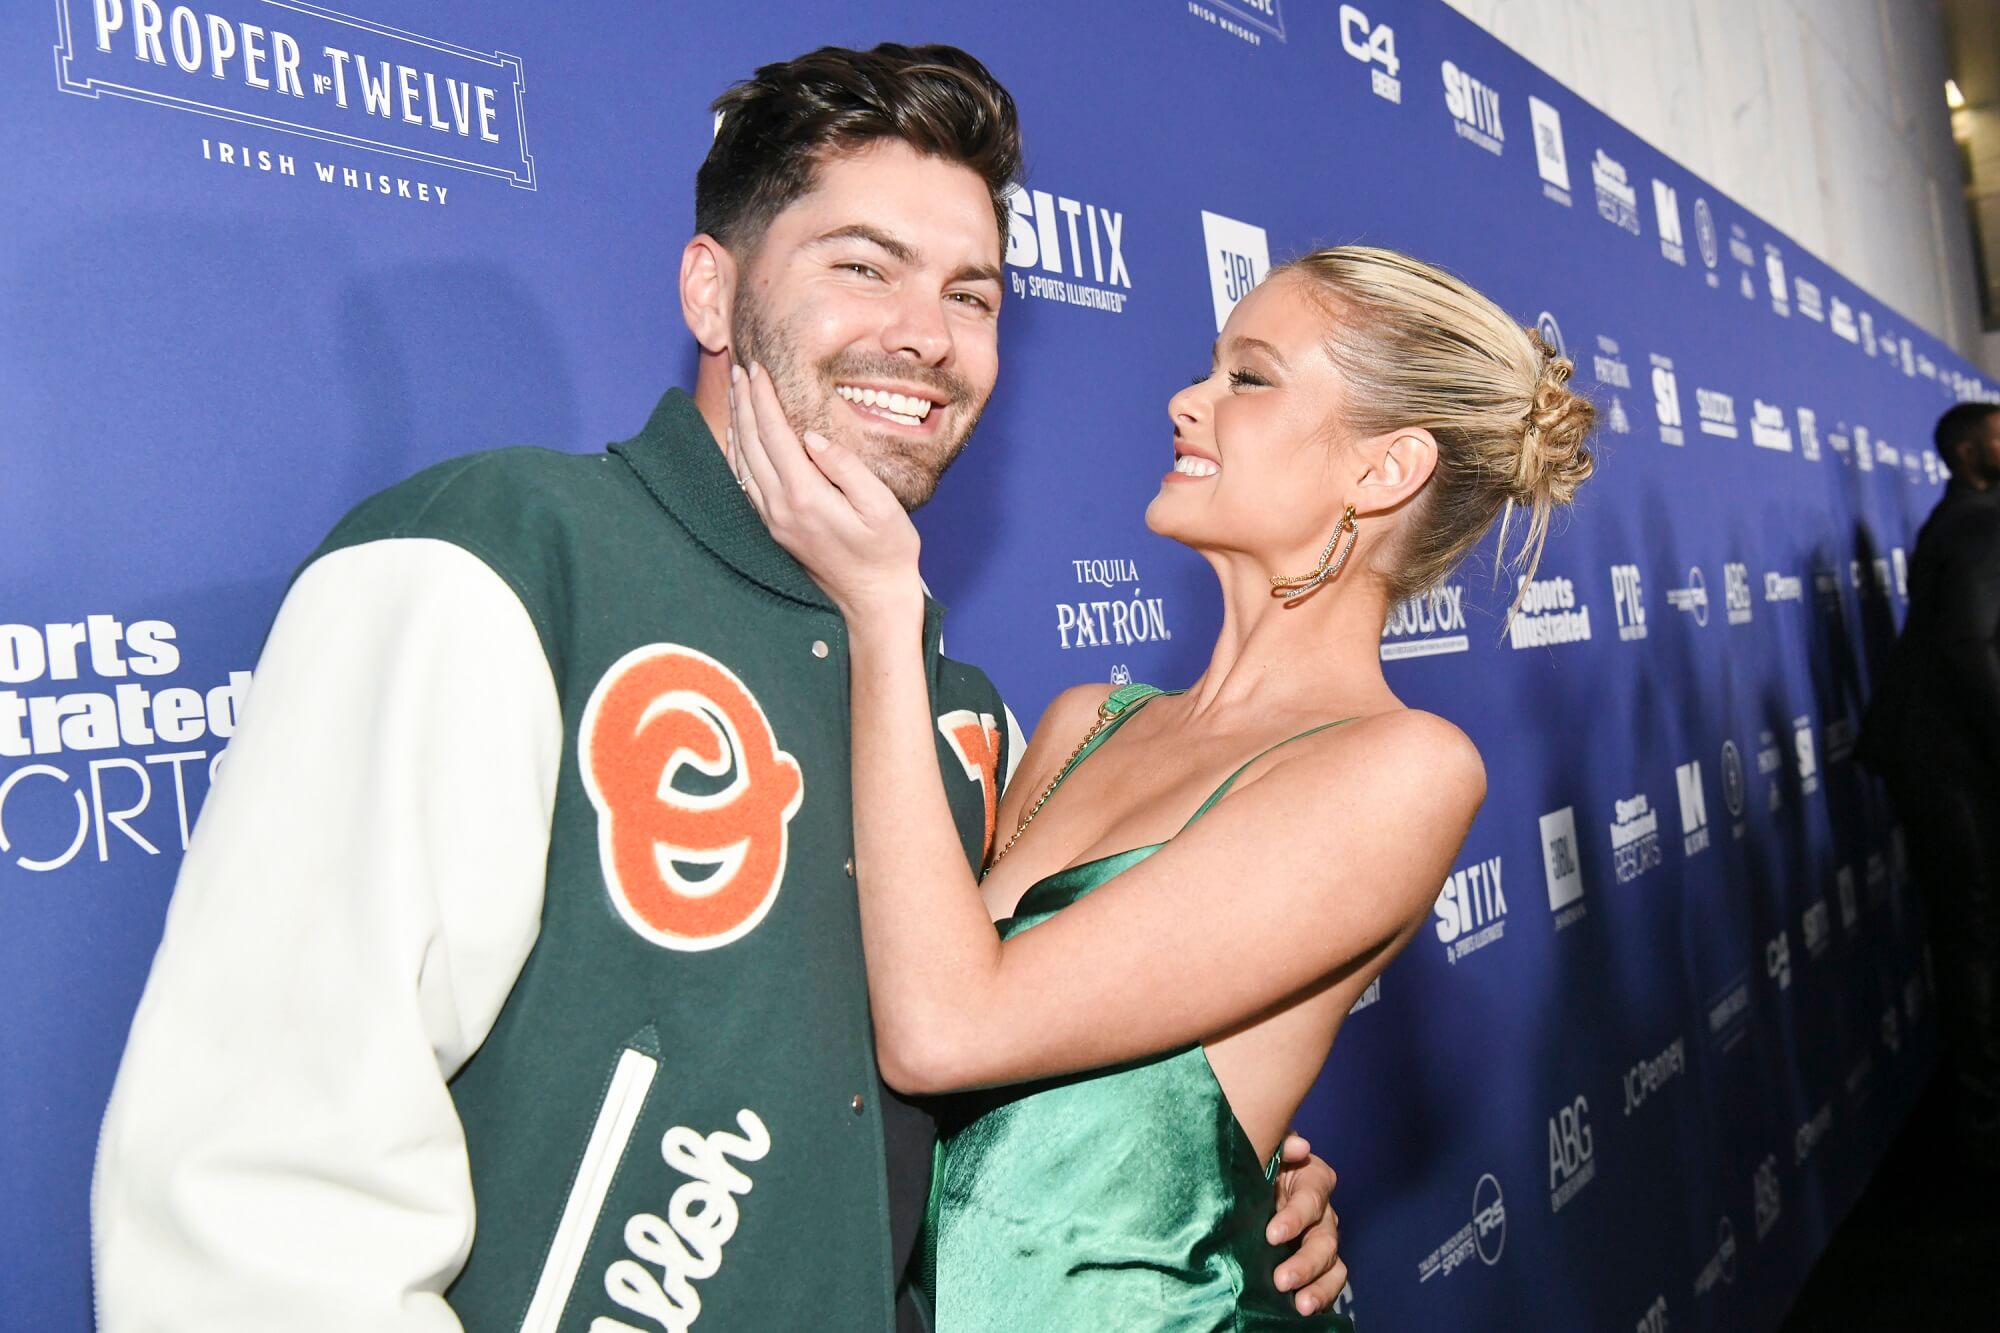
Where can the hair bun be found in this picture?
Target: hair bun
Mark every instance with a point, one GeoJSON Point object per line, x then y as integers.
{"type": "Point", "coordinates": [1554, 460]}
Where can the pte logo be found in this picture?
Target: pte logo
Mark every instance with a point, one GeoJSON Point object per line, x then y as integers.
{"type": "Point", "coordinates": [1559, 861]}
{"type": "Point", "coordinates": [1475, 109]}
{"type": "Point", "coordinates": [1736, 598]}
{"type": "Point", "coordinates": [1551, 160]}
{"type": "Point", "coordinates": [687, 869]}
{"type": "Point", "coordinates": [1628, 602]}
{"type": "Point", "coordinates": [1572, 1159]}
{"type": "Point", "coordinates": [1667, 212]}
{"type": "Point", "coordinates": [1239, 255]}
{"type": "Point", "coordinates": [974, 739]}
{"type": "Point", "coordinates": [1372, 44]}
{"type": "Point", "coordinates": [1667, 401]}
{"type": "Point", "coordinates": [1694, 807]}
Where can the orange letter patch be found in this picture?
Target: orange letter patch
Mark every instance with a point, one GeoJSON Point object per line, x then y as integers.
{"type": "Point", "coordinates": [975, 739]}
{"type": "Point", "coordinates": [661, 709]}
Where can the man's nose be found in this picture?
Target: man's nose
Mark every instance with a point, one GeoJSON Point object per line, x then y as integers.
{"type": "Point", "coordinates": [918, 330]}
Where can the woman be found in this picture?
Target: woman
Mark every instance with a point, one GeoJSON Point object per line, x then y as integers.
{"type": "Point", "coordinates": [1225, 867]}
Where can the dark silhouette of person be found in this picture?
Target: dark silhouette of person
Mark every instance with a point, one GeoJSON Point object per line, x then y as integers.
{"type": "Point", "coordinates": [1932, 730]}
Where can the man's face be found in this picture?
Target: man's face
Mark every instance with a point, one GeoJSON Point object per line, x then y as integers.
{"type": "Point", "coordinates": [874, 303]}
{"type": "Point", "coordinates": [1979, 457]}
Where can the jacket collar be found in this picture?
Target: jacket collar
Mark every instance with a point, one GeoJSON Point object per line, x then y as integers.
{"type": "Point", "coordinates": [680, 464]}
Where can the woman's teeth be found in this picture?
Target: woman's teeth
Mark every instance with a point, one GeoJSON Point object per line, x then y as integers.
{"type": "Point", "coordinates": [1190, 466]}
{"type": "Point", "coordinates": [899, 408]}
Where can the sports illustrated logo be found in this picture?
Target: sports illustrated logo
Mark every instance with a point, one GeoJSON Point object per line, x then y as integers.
{"type": "Point", "coordinates": [1427, 625]}
{"type": "Point", "coordinates": [1736, 592]}
{"type": "Point", "coordinates": [1704, 233]}
{"type": "Point", "coordinates": [1816, 929]}
{"type": "Point", "coordinates": [1238, 258]}
{"type": "Point", "coordinates": [1372, 44]}
{"type": "Point", "coordinates": [1729, 1013]}
{"type": "Point", "coordinates": [1117, 621]}
{"type": "Point", "coordinates": [1609, 367]}
{"type": "Point", "coordinates": [1559, 862]}
{"type": "Point", "coordinates": [1718, 412]}
{"type": "Point", "coordinates": [1485, 1235]}
{"type": "Point", "coordinates": [1655, 1318]}
{"type": "Point", "coordinates": [1037, 225]}
{"type": "Point", "coordinates": [974, 739]}
{"type": "Point", "coordinates": [328, 79]}
{"type": "Point", "coordinates": [1572, 1163]}
{"type": "Point", "coordinates": [1550, 158]}
{"type": "Point", "coordinates": [1549, 614]}
{"type": "Point", "coordinates": [1694, 808]}
{"type": "Point", "coordinates": [686, 869]}
{"type": "Point", "coordinates": [1802, 746]}
{"type": "Point", "coordinates": [1765, 1196]}
{"type": "Point", "coordinates": [1774, 277]}
{"type": "Point", "coordinates": [1809, 1133]}
{"type": "Point", "coordinates": [1628, 602]}
{"type": "Point", "coordinates": [1475, 109]}
{"type": "Point", "coordinates": [1617, 199]}
{"type": "Point", "coordinates": [1635, 838]}
{"type": "Point", "coordinates": [1471, 909]}
{"type": "Point", "coordinates": [1778, 959]}
{"type": "Point", "coordinates": [1721, 1266]}
{"type": "Point", "coordinates": [1692, 599]}
{"type": "Point", "coordinates": [1768, 427]}
{"type": "Point", "coordinates": [1850, 905]}
{"type": "Point", "coordinates": [1733, 787]}
{"type": "Point", "coordinates": [1805, 295]}
{"type": "Point", "coordinates": [1246, 20]}
{"type": "Point", "coordinates": [1667, 212]}
{"type": "Point", "coordinates": [1667, 400]}
{"type": "Point", "coordinates": [72, 790]}
{"type": "Point", "coordinates": [1648, 1076]}
{"type": "Point", "coordinates": [1841, 321]}
{"type": "Point", "coordinates": [1770, 759]}
{"type": "Point", "coordinates": [1808, 435]}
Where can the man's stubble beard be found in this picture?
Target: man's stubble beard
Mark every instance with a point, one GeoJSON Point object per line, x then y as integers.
{"type": "Point", "coordinates": [805, 391]}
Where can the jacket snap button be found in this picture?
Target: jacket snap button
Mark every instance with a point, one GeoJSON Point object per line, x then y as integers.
{"type": "Point", "coordinates": [858, 1103]}
{"type": "Point", "coordinates": [850, 867]}
{"type": "Point", "coordinates": [819, 647]}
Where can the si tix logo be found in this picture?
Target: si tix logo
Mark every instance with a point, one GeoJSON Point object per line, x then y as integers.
{"type": "Point", "coordinates": [1372, 45]}
{"type": "Point", "coordinates": [692, 860]}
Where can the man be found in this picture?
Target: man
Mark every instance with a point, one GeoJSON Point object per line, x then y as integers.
{"type": "Point", "coordinates": [1933, 731]}
{"type": "Point", "coordinates": [528, 880]}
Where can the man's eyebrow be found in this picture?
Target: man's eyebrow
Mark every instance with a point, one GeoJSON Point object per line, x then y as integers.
{"type": "Point", "coordinates": [1252, 344]}
{"type": "Point", "coordinates": [875, 236]}
{"type": "Point", "coordinates": [980, 273]}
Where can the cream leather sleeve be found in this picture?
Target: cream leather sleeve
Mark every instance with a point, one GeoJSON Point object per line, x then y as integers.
{"type": "Point", "coordinates": [361, 891]}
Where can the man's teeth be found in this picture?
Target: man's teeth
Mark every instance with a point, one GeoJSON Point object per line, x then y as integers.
{"type": "Point", "coordinates": [899, 408]}
{"type": "Point", "coordinates": [1190, 466]}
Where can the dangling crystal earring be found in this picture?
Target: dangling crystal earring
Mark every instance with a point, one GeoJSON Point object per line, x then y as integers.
{"type": "Point", "coordinates": [1296, 586]}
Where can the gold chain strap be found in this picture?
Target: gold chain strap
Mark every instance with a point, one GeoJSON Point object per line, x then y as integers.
{"type": "Point", "coordinates": [1104, 716]}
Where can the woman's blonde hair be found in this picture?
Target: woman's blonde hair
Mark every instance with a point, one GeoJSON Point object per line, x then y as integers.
{"type": "Point", "coordinates": [1418, 347]}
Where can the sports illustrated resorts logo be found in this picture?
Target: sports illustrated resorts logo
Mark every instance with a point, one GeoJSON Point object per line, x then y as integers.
{"type": "Point", "coordinates": [1617, 199]}
{"type": "Point", "coordinates": [1768, 427]}
{"type": "Point", "coordinates": [1248, 21]}
{"type": "Point", "coordinates": [1720, 1266]}
{"type": "Point", "coordinates": [1550, 613]}
{"type": "Point", "coordinates": [1560, 863]}
{"type": "Point", "coordinates": [1692, 599]}
{"type": "Point", "coordinates": [1667, 400]}
{"type": "Point", "coordinates": [1427, 625]}
{"type": "Point", "coordinates": [1239, 256]}
{"type": "Point", "coordinates": [267, 76]}
{"type": "Point", "coordinates": [1736, 601]}
{"type": "Point", "coordinates": [1067, 251]}
{"type": "Point", "coordinates": [1667, 212]}
{"type": "Point", "coordinates": [1765, 1196]}
{"type": "Point", "coordinates": [1485, 1235]}
{"type": "Point", "coordinates": [1694, 808]}
{"type": "Point", "coordinates": [1717, 411]}
{"type": "Point", "coordinates": [1551, 160]}
{"type": "Point", "coordinates": [1648, 1076]}
{"type": "Point", "coordinates": [1774, 277]}
{"type": "Point", "coordinates": [1572, 1156]}
{"type": "Point", "coordinates": [1635, 837]}
{"type": "Point", "coordinates": [1705, 237]}
{"type": "Point", "coordinates": [1475, 109]}
{"type": "Point", "coordinates": [1628, 602]}
{"type": "Point", "coordinates": [1374, 45]}
{"type": "Point", "coordinates": [1471, 909]}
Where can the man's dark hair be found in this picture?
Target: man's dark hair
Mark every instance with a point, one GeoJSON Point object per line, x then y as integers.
{"type": "Point", "coordinates": [779, 124]}
{"type": "Point", "coordinates": [1960, 425]}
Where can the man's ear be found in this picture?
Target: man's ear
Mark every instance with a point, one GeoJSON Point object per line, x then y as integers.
{"type": "Point", "coordinates": [1404, 461]}
{"type": "Point", "coordinates": [708, 292]}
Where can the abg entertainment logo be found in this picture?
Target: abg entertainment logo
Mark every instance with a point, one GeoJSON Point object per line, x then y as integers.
{"type": "Point", "coordinates": [1057, 235]}
{"type": "Point", "coordinates": [50, 807]}
{"type": "Point", "coordinates": [1485, 1235]}
{"type": "Point", "coordinates": [1572, 1154]}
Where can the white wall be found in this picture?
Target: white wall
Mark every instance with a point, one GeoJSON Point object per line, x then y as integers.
{"type": "Point", "coordinates": [1827, 117]}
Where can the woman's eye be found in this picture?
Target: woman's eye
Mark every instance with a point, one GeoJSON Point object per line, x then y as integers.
{"type": "Point", "coordinates": [1239, 378]}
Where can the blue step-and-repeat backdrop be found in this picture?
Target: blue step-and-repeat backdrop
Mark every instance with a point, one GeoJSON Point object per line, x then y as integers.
{"type": "Point", "coordinates": [261, 257]}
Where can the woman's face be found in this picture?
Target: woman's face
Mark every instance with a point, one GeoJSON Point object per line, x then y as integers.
{"type": "Point", "coordinates": [1255, 467]}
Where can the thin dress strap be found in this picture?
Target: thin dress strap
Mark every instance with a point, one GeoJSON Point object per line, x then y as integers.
{"type": "Point", "coordinates": [1122, 703]}
{"type": "Point", "coordinates": [1230, 781]}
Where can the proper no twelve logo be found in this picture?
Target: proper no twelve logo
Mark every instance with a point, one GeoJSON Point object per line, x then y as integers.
{"type": "Point", "coordinates": [694, 798]}
{"type": "Point", "coordinates": [1485, 1235]}
{"type": "Point", "coordinates": [304, 71]}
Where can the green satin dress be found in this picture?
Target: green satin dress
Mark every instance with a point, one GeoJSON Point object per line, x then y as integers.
{"type": "Point", "coordinates": [1125, 1198]}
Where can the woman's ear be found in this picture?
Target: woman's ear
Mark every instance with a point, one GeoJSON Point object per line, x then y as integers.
{"type": "Point", "coordinates": [1404, 461]}
{"type": "Point", "coordinates": [708, 292]}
